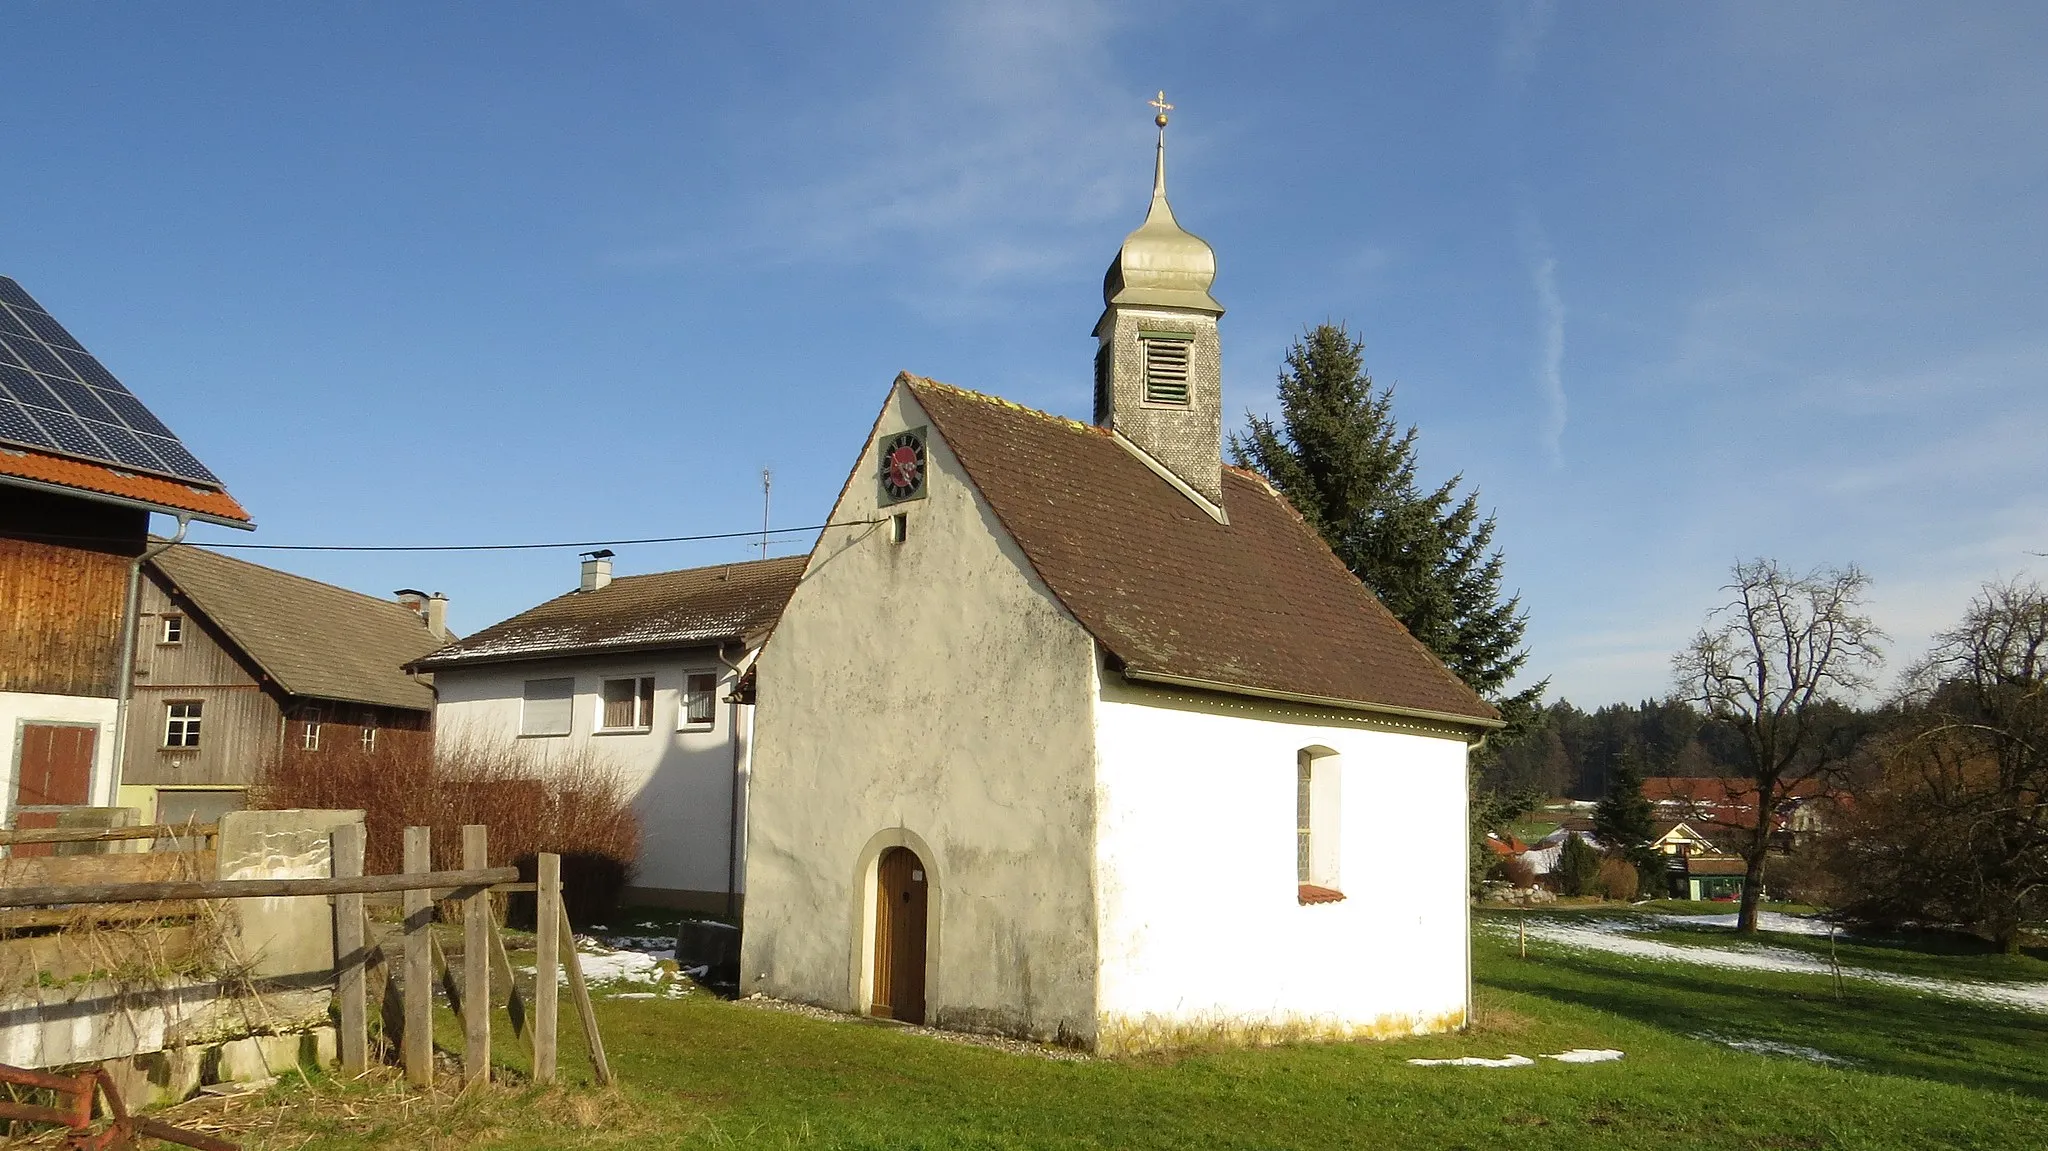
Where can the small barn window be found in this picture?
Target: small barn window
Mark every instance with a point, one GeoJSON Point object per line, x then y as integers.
{"type": "Point", "coordinates": [1318, 805]}
{"type": "Point", "coordinates": [700, 699]}
{"type": "Point", "coordinates": [627, 704]}
{"type": "Point", "coordinates": [1166, 371]}
{"type": "Point", "coordinates": [546, 706]}
{"type": "Point", "coordinates": [174, 629]}
{"type": "Point", "coordinates": [181, 723]}
{"type": "Point", "coordinates": [369, 739]}
{"type": "Point", "coordinates": [309, 736]}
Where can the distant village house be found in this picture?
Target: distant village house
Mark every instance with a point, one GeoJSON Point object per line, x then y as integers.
{"type": "Point", "coordinates": [648, 672]}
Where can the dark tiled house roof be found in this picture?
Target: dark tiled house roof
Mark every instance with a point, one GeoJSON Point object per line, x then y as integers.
{"type": "Point", "coordinates": [313, 639]}
{"type": "Point", "coordinates": [1259, 606]}
{"type": "Point", "coordinates": [707, 605]}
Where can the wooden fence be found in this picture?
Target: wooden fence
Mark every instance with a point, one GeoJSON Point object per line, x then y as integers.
{"type": "Point", "coordinates": [56, 890]}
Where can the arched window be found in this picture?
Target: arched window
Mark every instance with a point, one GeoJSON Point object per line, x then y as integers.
{"type": "Point", "coordinates": [1318, 808]}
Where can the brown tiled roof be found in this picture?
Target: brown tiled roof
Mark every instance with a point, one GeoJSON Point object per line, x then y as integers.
{"type": "Point", "coordinates": [98, 479]}
{"type": "Point", "coordinates": [314, 639]}
{"type": "Point", "coordinates": [707, 605]}
{"type": "Point", "coordinates": [1716, 865]}
{"type": "Point", "coordinates": [1259, 606]}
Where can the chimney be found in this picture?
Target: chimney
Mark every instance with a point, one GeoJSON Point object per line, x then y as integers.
{"type": "Point", "coordinates": [432, 609]}
{"type": "Point", "coordinates": [597, 570]}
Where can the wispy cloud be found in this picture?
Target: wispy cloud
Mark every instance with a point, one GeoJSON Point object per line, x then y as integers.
{"type": "Point", "coordinates": [1542, 267]}
{"type": "Point", "coordinates": [973, 157]}
{"type": "Point", "coordinates": [1524, 23]}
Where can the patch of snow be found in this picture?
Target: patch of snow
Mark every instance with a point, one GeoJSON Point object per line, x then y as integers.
{"type": "Point", "coordinates": [1767, 920]}
{"type": "Point", "coordinates": [659, 946]}
{"type": "Point", "coordinates": [1476, 1061]}
{"type": "Point", "coordinates": [1615, 938]}
{"type": "Point", "coordinates": [1587, 1055]}
{"type": "Point", "coordinates": [1773, 1047]}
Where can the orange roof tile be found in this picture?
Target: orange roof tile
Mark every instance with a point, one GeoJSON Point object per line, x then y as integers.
{"type": "Point", "coordinates": [169, 495]}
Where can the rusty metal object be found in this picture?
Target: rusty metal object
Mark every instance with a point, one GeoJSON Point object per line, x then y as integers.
{"type": "Point", "coordinates": [79, 1090]}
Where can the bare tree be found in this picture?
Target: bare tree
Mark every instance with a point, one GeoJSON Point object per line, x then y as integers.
{"type": "Point", "coordinates": [1769, 663]}
{"type": "Point", "coordinates": [1958, 830]}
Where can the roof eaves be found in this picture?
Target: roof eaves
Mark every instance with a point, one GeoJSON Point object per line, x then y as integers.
{"type": "Point", "coordinates": [1168, 680]}
{"type": "Point", "coordinates": [437, 661]}
{"type": "Point", "coordinates": [97, 496]}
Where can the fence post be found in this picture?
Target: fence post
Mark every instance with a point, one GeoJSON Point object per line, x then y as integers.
{"type": "Point", "coordinates": [580, 994]}
{"type": "Point", "coordinates": [419, 963]}
{"type": "Point", "coordinates": [546, 958]}
{"type": "Point", "coordinates": [476, 962]}
{"type": "Point", "coordinates": [352, 953]}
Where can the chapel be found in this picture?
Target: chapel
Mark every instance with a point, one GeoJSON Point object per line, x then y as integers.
{"type": "Point", "coordinates": [1071, 731]}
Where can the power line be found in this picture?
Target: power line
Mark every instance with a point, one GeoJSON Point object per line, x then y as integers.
{"type": "Point", "coordinates": [580, 545]}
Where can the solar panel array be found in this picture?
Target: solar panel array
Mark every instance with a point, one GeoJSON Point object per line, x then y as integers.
{"type": "Point", "coordinates": [55, 397]}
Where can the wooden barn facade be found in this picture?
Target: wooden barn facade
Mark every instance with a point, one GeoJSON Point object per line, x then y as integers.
{"type": "Point", "coordinates": [236, 663]}
{"type": "Point", "coordinates": [75, 506]}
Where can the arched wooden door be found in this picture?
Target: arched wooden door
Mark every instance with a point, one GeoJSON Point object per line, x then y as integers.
{"type": "Point", "coordinates": [900, 889]}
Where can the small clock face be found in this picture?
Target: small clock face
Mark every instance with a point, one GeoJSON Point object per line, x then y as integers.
{"type": "Point", "coordinates": [902, 466]}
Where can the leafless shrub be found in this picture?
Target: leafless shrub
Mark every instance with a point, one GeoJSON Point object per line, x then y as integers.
{"type": "Point", "coordinates": [573, 803]}
{"type": "Point", "coordinates": [1618, 879]}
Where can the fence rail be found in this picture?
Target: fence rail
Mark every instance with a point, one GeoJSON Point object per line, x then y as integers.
{"type": "Point", "coordinates": [27, 835]}
{"type": "Point", "coordinates": [255, 888]}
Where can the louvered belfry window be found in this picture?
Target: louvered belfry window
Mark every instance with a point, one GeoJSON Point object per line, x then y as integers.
{"type": "Point", "coordinates": [1166, 371]}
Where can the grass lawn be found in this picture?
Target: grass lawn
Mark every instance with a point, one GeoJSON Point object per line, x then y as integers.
{"type": "Point", "coordinates": [702, 1072]}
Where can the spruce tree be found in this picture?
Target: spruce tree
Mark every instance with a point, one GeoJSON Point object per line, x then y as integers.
{"type": "Point", "coordinates": [1340, 457]}
{"type": "Point", "coordinates": [1622, 818]}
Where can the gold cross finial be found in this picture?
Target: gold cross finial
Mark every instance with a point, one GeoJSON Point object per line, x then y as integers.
{"type": "Point", "coordinates": [1160, 103]}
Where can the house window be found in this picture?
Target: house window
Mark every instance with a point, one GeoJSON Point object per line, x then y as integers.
{"type": "Point", "coordinates": [309, 736]}
{"type": "Point", "coordinates": [546, 708]}
{"type": "Point", "coordinates": [181, 724]}
{"type": "Point", "coordinates": [1317, 808]}
{"type": "Point", "coordinates": [899, 527]}
{"type": "Point", "coordinates": [700, 699]}
{"type": "Point", "coordinates": [1304, 806]}
{"type": "Point", "coordinates": [369, 739]}
{"type": "Point", "coordinates": [627, 704]}
{"type": "Point", "coordinates": [174, 629]}
{"type": "Point", "coordinates": [1166, 371]}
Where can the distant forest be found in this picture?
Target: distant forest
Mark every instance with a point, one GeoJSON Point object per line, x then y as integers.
{"type": "Point", "coordinates": [1572, 752]}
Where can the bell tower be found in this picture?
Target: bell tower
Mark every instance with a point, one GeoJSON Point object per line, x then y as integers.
{"type": "Point", "coordinates": [1158, 365]}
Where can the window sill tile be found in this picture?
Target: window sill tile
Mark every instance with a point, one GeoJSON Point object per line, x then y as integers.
{"type": "Point", "coordinates": [1308, 893]}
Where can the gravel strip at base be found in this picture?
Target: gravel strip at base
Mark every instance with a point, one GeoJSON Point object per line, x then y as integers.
{"type": "Point", "coordinates": [970, 1039]}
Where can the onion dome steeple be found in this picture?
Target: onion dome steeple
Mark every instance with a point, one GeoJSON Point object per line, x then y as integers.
{"type": "Point", "coordinates": [1162, 264]}
{"type": "Point", "coordinates": [1158, 365]}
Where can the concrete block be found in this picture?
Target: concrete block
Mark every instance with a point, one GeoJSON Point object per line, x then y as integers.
{"type": "Point", "coordinates": [287, 938]}
{"type": "Point", "coordinates": [174, 1072]}
{"type": "Point", "coordinates": [257, 1057]}
{"type": "Point", "coordinates": [132, 1081]}
{"type": "Point", "coordinates": [320, 1047]}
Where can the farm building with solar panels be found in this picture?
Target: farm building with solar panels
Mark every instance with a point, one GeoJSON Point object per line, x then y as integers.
{"type": "Point", "coordinates": [83, 465]}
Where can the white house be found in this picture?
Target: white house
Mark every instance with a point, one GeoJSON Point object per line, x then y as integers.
{"type": "Point", "coordinates": [1069, 731]}
{"type": "Point", "coordinates": [648, 671]}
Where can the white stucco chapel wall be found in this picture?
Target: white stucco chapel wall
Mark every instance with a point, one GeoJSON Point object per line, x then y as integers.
{"type": "Point", "coordinates": [1199, 921]}
{"type": "Point", "coordinates": [931, 693]}
{"type": "Point", "coordinates": [681, 780]}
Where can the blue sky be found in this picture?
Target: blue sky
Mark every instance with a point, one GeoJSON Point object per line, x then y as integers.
{"type": "Point", "coordinates": [1671, 284]}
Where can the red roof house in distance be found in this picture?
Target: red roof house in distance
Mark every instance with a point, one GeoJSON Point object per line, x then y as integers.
{"type": "Point", "coordinates": [83, 465]}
